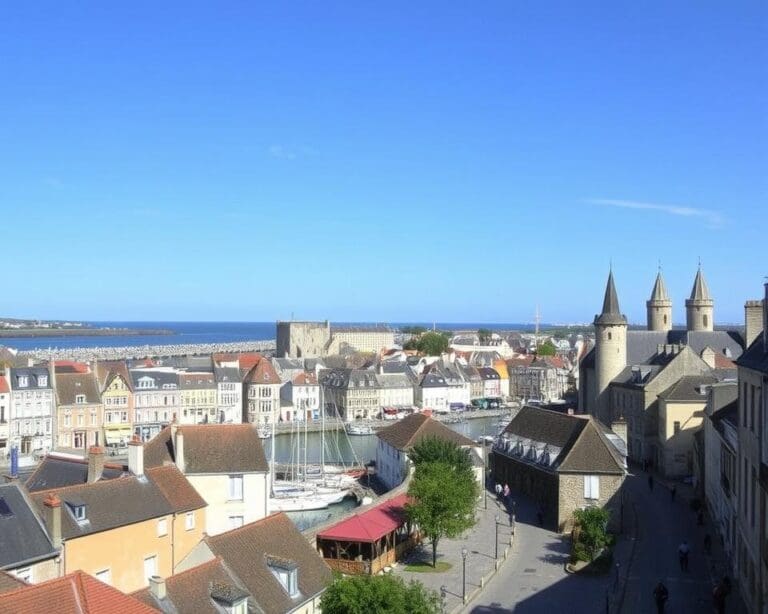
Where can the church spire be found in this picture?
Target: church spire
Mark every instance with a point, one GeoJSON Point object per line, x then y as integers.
{"type": "Point", "coordinates": [659, 289]}
{"type": "Point", "coordinates": [699, 309]}
{"type": "Point", "coordinates": [700, 291]}
{"type": "Point", "coordinates": [611, 313]}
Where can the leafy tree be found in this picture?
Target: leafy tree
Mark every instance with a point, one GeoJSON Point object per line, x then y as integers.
{"type": "Point", "coordinates": [444, 498]}
{"type": "Point", "coordinates": [386, 594]}
{"type": "Point", "coordinates": [411, 344]}
{"type": "Point", "coordinates": [433, 343]}
{"type": "Point", "coordinates": [435, 450]}
{"type": "Point", "coordinates": [592, 522]}
{"type": "Point", "coordinates": [484, 335]}
{"type": "Point", "coordinates": [546, 349]}
{"type": "Point", "coordinates": [413, 330]}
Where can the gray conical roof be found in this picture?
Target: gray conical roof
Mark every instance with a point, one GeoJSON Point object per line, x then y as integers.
{"type": "Point", "coordinates": [700, 292]}
{"type": "Point", "coordinates": [611, 313]}
{"type": "Point", "coordinates": [659, 289]}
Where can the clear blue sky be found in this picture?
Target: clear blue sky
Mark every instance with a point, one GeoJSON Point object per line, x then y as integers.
{"type": "Point", "coordinates": [379, 162]}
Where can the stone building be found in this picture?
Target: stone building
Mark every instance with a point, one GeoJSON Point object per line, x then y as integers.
{"type": "Point", "coordinates": [537, 377]}
{"type": "Point", "coordinates": [302, 339]}
{"type": "Point", "coordinates": [562, 462]}
{"type": "Point", "coordinates": [262, 389]}
{"type": "Point", "coordinates": [371, 339]}
{"type": "Point", "coordinates": [350, 394]}
{"type": "Point", "coordinates": [156, 399]}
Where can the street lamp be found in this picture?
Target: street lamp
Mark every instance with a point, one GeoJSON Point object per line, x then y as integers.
{"type": "Point", "coordinates": [464, 575]}
{"type": "Point", "coordinates": [443, 590]}
{"type": "Point", "coordinates": [496, 555]}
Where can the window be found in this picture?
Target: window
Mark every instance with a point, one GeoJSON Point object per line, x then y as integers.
{"type": "Point", "coordinates": [105, 576]}
{"type": "Point", "coordinates": [150, 567]}
{"type": "Point", "coordinates": [676, 427]}
{"type": "Point", "coordinates": [235, 487]}
{"type": "Point", "coordinates": [162, 527]}
{"type": "Point", "coordinates": [24, 574]}
{"type": "Point", "coordinates": [235, 522]}
{"type": "Point", "coordinates": [78, 511]}
{"type": "Point", "coordinates": [189, 521]}
{"type": "Point", "coordinates": [80, 399]}
{"type": "Point", "coordinates": [591, 486]}
{"type": "Point", "coordinates": [42, 381]}
{"type": "Point", "coordinates": [706, 320]}
{"type": "Point", "coordinates": [287, 573]}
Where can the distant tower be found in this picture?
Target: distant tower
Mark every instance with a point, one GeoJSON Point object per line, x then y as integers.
{"type": "Point", "coordinates": [699, 309]}
{"type": "Point", "coordinates": [659, 307]}
{"type": "Point", "coordinates": [610, 350]}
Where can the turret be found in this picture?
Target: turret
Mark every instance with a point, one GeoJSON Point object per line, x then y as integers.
{"type": "Point", "coordinates": [700, 308]}
{"type": "Point", "coordinates": [659, 307]}
{"type": "Point", "coordinates": [610, 350]}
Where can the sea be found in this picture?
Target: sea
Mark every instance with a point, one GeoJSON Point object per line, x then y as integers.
{"type": "Point", "coordinates": [207, 332]}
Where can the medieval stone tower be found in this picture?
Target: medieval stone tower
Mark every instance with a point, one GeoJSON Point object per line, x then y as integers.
{"type": "Point", "coordinates": [659, 307]}
{"type": "Point", "coordinates": [699, 309]}
{"type": "Point", "coordinates": [610, 349]}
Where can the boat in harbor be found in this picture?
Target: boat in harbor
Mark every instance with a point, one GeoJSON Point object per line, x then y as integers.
{"type": "Point", "coordinates": [265, 432]}
{"type": "Point", "coordinates": [360, 429]}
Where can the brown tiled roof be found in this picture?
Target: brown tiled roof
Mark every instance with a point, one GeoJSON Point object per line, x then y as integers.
{"type": "Point", "coordinates": [545, 426]}
{"type": "Point", "coordinates": [520, 361]}
{"type": "Point", "coordinates": [107, 370]}
{"type": "Point", "coordinates": [9, 582]}
{"type": "Point", "coordinates": [176, 488]}
{"type": "Point", "coordinates": [210, 448]}
{"type": "Point", "coordinates": [75, 593]}
{"type": "Point", "coordinates": [305, 379]}
{"type": "Point", "coordinates": [592, 453]}
{"type": "Point", "coordinates": [262, 373]}
{"type": "Point", "coordinates": [245, 551]}
{"type": "Point", "coordinates": [190, 591]}
{"type": "Point", "coordinates": [405, 433]}
{"type": "Point", "coordinates": [69, 385]}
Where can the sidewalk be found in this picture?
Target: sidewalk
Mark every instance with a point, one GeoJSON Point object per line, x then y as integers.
{"type": "Point", "coordinates": [480, 562]}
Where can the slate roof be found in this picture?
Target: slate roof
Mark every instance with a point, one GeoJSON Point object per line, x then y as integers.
{"type": "Point", "coordinates": [70, 385]}
{"type": "Point", "coordinates": [33, 374]}
{"type": "Point", "coordinates": [160, 375]}
{"type": "Point", "coordinates": [686, 388]}
{"type": "Point", "coordinates": [405, 433]}
{"type": "Point", "coordinates": [23, 538]}
{"type": "Point", "coordinates": [190, 591]}
{"type": "Point", "coordinates": [107, 370]}
{"type": "Point", "coordinates": [433, 380]}
{"type": "Point", "coordinates": [659, 292]}
{"type": "Point", "coordinates": [196, 380]}
{"type": "Point", "coordinates": [227, 374]}
{"type": "Point", "coordinates": [75, 593]}
{"type": "Point", "coordinates": [393, 380]}
{"type": "Point", "coordinates": [756, 356]}
{"type": "Point", "coordinates": [210, 448]}
{"type": "Point", "coordinates": [58, 471]}
{"type": "Point", "coordinates": [611, 313]}
{"type": "Point", "coordinates": [487, 373]}
{"type": "Point", "coordinates": [245, 551]}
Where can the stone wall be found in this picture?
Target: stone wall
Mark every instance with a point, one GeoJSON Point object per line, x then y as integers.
{"type": "Point", "coordinates": [571, 498]}
{"type": "Point", "coordinates": [302, 339]}
{"type": "Point", "coordinates": [536, 483]}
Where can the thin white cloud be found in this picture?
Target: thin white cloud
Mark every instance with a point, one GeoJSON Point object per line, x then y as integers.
{"type": "Point", "coordinates": [711, 218]}
{"type": "Point", "coordinates": [287, 152]}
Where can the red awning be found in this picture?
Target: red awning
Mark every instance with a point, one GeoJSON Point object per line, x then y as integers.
{"type": "Point", "coordinates": [371, 525]}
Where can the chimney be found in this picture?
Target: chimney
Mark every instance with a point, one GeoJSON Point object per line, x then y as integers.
{"type": "Point", "coordinates": [765, 319]}
{"type": "Point", "coordinates": [753, 321]}
{"type": "Point", "coordinates": [157, 587]}
{"type": "Point", "coordinates": [52, 518]}
{"type": "Point", "coordinates": [95, 463]}
{"type": "Point", "coordinates": [136, 456]}
{"type": "Point", "coordinates": [178, 449]}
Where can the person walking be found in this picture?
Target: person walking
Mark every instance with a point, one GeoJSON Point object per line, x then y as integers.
{"type": "Point", "coordinates": [660, 595]}
{"type": "Point", "coordinates": [682, 552]}
{"type": "Point", "coordinates": [650, 482]}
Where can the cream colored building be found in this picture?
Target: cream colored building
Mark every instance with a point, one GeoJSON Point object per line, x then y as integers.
{"type": "Point", "coordinates": [198, 397]}
{"type": "Point", "coordinates": [360, 339]}
{"type": "Point", "coordinates": [117, 398]}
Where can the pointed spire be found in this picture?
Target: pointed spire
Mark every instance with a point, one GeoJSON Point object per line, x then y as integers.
{"type": "Point", "coordinates": [700, 291]}
{"type": "Point", "coordinates": [611, 313]}
{"type": "Point", "coordinates": [659, 289]}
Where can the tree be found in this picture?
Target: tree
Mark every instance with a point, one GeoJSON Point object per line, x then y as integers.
{"type": "Point", "coordinates": [444, 498]}
{"type": "Point", "coordinates": [592, 523]}
{"type": "Point", "coordinates": [433, 343]}
{"type": "Point", "coordinates": [413, 330]}
{"type": "Point", "coordinates": [484, 335]}
{"type": "Point", "coordinates": [386, 594]}
{"type": "Point", "coordinates": [435, 450]}
{"type": "Point", "coordinates": [546, 349]}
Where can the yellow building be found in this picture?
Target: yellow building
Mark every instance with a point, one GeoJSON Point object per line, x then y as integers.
{"type": "Point", "coordinates": [117, 398]}
{"type": "Point", "coordinates": [198, 397]}
{"type": "Point", "coordinates": [79, 409]}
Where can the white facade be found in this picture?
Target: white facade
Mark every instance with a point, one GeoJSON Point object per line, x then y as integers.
{"type": "Point", "coordinates": [391, 464]}
{"type": "Point", "coordinates": [229, 398]}
{"type": "Point", "coordinates": [434, 398]}
{"type": "Point", "coordinates": [491, 388]}
{"type": "Point", "coordinates": [304, 401]}
{"type": "Point", "coordinates": [32, 410]}
{"type": "Point", "coordinates": [5, 415]}
{"type": "Point", "coordinates": [233, 499]}
{"type": "Point", "coordinates": [263, 403]}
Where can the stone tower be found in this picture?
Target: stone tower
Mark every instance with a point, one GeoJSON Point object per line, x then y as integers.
{"type": "Point", "coordinates": [610, 350]}
{"type": "Point", "coordinates": [699, 309]}
{"type": "Point", "coordinates": [659, 307]}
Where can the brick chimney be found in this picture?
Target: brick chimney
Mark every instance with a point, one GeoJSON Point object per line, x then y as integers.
{"type": "Point", "coordinates": [753, 321]}
{"type": "Point", "coordinates": [178, 449]}
{"type": "Point", "coordinates": [136, 456]}
{"type": "Point", "coordinates": [157, 587]}
{"type": "Point", "coordinates": [52, 518]}
{"type": "Point", "coordinates": [95, 463]}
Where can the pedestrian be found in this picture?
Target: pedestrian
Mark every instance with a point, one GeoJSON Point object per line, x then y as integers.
{"type": "Point", "coordinates": [707, 544]}
{"type": "Point", "coordinates": [506, 492]}
{"type": "Point", "coordinates": [660, 595]}
{"type": "Point", "coordinates": [700, 518]}
{"type": "Point", "coordinates": [683, 551]}
{"type": "Point", "coordinates": [673, 492]}
{"type": "Point", "coordinates": [650, 482]}
{"type": "Point", "coordinates": [497, 488]}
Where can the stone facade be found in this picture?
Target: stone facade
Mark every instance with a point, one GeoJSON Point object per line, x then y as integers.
{"type": "Point", "coordinates": [302, 339]}
{"type": "Point", "coordinates": [571, 497]}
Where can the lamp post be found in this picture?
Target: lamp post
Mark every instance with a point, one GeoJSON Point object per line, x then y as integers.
{"type": "Point", "coordinates": [464, 575]}
{"type": "Point", "coordinates": [496, 545]}
{"type": "Point", "coordinates": [443, 590]}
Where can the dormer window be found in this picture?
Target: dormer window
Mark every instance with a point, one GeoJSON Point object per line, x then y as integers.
{"type": "Point", "coordinates": [286, 572]}
{"type": "Point", "coordinates": [23, 381]}
{"type": "Point", "coordinates": [42, 381]}
{"type": "Point", "coordinates": [80, 399]}
{"type": "Point", "coordinates": [78, 510]}
{"type": "Point", "coordinates": [146, 382]}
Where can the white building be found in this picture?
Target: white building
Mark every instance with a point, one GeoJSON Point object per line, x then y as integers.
{"type": "Point", "coordinates": [5, 413]}
{"type": "Point", "coordinates": [302, 398]}
{"type": "Point", "coordinates": [229, 392]}
{"type": "Point", "coordinates": [491, 382]}
{"type": "Point", "coordinates": [32, 410]}
{"type": "Point", "coordinates": [395, 390]}
{"type": "Point", "coordinates": [432, 393]}
{"type": "Point", "coordinates": [262, 388]}
{"type": "Point", "coordinates": [156, 399]}
{"type": "Point", "coordinates": [226, 465]}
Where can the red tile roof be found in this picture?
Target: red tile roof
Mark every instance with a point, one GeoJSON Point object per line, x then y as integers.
{"type": "Point", "coordinates": [4, 385]}
{"type": "Point", "coordinates": [262, 373]}
{"type": "Point", "coordinates": [176, 488]}
{"type": "Point", "coordinates": [71, 366]}
{"type": "Point", "coordinates": [305, 379]}
{"type": "Point", "coordinates": [75, 593]}
{"type": "Point", "coordinates": [371, 525]}
{"type": "Point", "coordinates": [723, 362]}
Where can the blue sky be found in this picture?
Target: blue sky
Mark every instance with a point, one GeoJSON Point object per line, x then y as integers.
{"type": "Point", "coordinates": [390, 162]}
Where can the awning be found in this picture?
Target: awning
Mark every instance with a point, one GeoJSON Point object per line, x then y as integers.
{"type": "Point", "coordinates": [371, 525]}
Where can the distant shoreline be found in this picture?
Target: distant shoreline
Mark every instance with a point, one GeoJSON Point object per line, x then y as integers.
{"type": "Point", "coordinates": [82, 332]}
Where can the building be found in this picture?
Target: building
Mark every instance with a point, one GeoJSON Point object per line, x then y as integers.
{"type": "Point", "coordinates": [302, 398]}
{"type": "Point", "coordinates": [491, 382]}
{"type": "Point", "coordinates": [537, 377]}
{"type": "Point", "coordinates": [368, 339]}
{"type": "Point", "coordinates": [262, 389]}
{"type": "Point", "coordinates": [116, 389]}
{"type": "Point", "coordinates": [751, 552]}
{"type": "Point", "coordinates": [225, 463]}
{"type": "Point", "coordinates": [302, 339]}
{"type": "Point", "coordinates": [27, 551]}
{"type": "Point", "coordinates": [276, 566]}
{"type": "Point", "coordinates": [57, 470]}
{"type": "Point", "coordinates": [351, 394]}
{"type": "Point", "coordinates": [79, 408]}
{"type": "Point", "coordinates": [472, 375]}
{"type": "Point", "coordinates": [199, 397]}
{"type": "Point", "coordinates": [500, 366]}
{"type": "Point", "coordinates": [396, 441]}
{"type": "Point", "coordinates": [127, 529]}
{"type": "Point", "coordinates": [33, 410]}
{"type": "Point", "coordinates": [395, 391]}
{"type": "Point", "coordinates": [156, 398]}
{"type": "Point", "coordinates": [229, 389]}
{"type": "Point", "coordinates": [562, 462]}
{"type": "Point", "coordinates": [432, 392]}
{"type": "Point", "coordinates": [5, 413]}
{"type": "Point", "coordinates": [75, 593]}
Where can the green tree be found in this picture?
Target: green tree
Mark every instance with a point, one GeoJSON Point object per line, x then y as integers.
{"type": "Point", "coordinates": [373, 594]}
{"type": "Point", "coordinates": [592, 522]}
{"type": "Point", "coordinates": [444, 497]}
{"type": "Point", "coordinates": [413, 330]}
{"type": "Point", "coordinates": [433, 343]}
{"type": "Point", "coordinates": [484, 335]}
{"type": "Point", "coordinates": [546, 349]}
{"type": "Point", "coordinates": [436, 450]}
